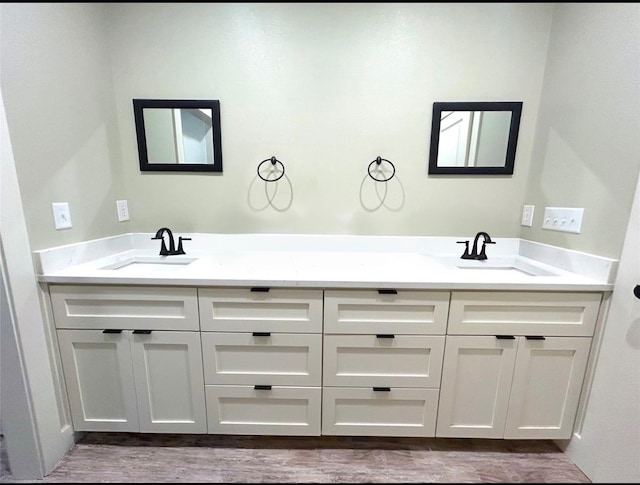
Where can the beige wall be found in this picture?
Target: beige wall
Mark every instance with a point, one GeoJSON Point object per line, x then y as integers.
{"type": "Point", "coordinates": [326, 88]}
{"type": "Point", "coordinates": [587, 144]}
{"type": "Point", "coordinates": [59, 101]}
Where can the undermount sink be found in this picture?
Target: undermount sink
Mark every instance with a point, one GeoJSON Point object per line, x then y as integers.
{"type": "Point", "coordinates": [150, 262]}
{"type": "Point", "coordinates": [500, 266]}
{"type": "Point", "coordinates": [506, 265]}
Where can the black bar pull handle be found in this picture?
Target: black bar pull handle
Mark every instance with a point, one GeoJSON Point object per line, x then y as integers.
{"type": "Point", "coordinates": [535, 337]}
{"type": "Point", "coordinates": [382, 389]}
{"type": "Point", "coordinates": [141, 332]}
{"type": "Point", "coordinates": [261, 387]}
{"type": "Point", "coordinates": [387, 291]}
{"type": "Point", "coordinates": [112, 330]}
{"type": "Point", "coordinates": [261, 334]}
{"type": "Point", "coordinates": [385, 335]}
{"type": "Point", "coordinates": [260, 289]}
{"type": "Point", "coordinates": [505, 337]}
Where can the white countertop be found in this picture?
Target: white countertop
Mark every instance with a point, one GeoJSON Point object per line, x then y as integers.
{"type": "Point", "coordinates": [321, 261]}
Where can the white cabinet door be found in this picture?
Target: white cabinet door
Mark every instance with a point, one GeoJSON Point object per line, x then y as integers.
{"type": "Point", "coordinates": [546, 387]}
{"type": "Point", "coordinates": [169, 382]}
{"type": "Point", "coordinates": [99, 378]}
{"type": "Point", "coordinates": [474, 393]}
{"type": "Point", "coordinates": [517, 388]}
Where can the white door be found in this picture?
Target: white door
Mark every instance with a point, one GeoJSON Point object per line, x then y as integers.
{"type": "Point", "coordinates": [546, 387]}
{"type": "Point", "coordinates": [99, 376]}
{"type": "Point", "coordinates": [169, 382]}
{"type": "Point", "coordinates": [606, 445]}
{"type": "Point", "coordinates": [453, 145]}
{"type": "Point", "coordinates": [476, 378]}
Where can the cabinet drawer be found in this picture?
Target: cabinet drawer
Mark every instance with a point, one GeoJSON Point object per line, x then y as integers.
{"type": "Point", "coordinates": [276, 359]}
{"type": "Point", "coordinates": [275, 411]}
{"type": "Point", "coordinates": [523, 313]}
{"type": "Point", "coordinates": [124, 307]}
{"type": "Point", "coordinates": [368, 311]}
{"type": "Point", "coordinates": [370, 360]}
{"type": "Point", "coordinates": [276, 310]}
{"type": "Point", "coordinates": [365, 412]}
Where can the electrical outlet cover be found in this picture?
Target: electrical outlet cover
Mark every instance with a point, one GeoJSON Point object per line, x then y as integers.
{"type": "Point", "coordinates": [123, 210]}
{"type": "Point", "coordinates": [527, 215]}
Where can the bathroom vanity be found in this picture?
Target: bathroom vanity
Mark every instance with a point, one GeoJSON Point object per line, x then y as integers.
{"type": "Point", "coordinates": [312, 335]}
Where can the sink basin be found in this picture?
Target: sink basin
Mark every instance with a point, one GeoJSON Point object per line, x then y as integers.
{"type": "Point", "coordinates": [150, 262]}
{"type": "Point", "coordinates": [509, 265]}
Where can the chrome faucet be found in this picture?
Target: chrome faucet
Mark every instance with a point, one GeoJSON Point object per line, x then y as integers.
{"type": "Point", "coordinates": [486, 239]}
{"type": "Point", "coordinates": [172, 248]}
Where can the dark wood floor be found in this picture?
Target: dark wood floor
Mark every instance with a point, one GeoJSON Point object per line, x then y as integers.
{"type": "Point", "coordinates": [122, 457]}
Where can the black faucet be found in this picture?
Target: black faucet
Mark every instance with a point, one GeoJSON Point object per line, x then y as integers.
{"type": "Point", "coordinates": [172, 248]}
{"type": "Point", "coordinates": [474, 251]}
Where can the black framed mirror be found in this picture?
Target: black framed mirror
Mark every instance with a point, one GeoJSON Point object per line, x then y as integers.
{"type": "Point", "coordinates": [474, 137]}
{"type": "Point", "coordinates": [178, 135]}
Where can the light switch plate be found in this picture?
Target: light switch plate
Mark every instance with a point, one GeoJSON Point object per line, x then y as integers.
{"type": "Point", "coordinates": [61, 215]}
{"type": "Point", "coordinates": [564, 219]}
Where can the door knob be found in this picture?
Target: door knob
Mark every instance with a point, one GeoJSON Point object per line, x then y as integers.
{"type": "Point", "coordinates": [636, 291]}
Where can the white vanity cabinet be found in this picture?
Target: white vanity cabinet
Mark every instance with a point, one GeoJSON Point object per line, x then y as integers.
{"type": "Point", "coordinates": [514, 363]}
{"type": "Point", "coordinates": [306, 362]}
{"type": "Point", "coordinates": [262, 354]}
{"type": "Point", "coordinates": [121, 373]}
{"type": "Point", "coordinates": [383, 353]}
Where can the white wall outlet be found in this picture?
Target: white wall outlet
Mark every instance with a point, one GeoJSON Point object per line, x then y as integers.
{"type": "Point", "coordinates": [527, 215]}
{"type": "Point", "coordinates": [61, 215]}
{"type": "Point", "coordinates": [565, 219]}
{"type": "Point", "coordinates": [123, 210]}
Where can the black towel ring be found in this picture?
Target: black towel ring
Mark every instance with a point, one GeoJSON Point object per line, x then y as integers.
{"type": "Point", "coordinates": [378, 161]}
{"type": "Point", "coordinates": [273, 161]}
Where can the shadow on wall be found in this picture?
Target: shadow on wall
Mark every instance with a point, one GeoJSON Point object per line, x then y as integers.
{"type": "Point", "coordinates": [381, 187]}
{"type": "Point", "coordinates": [270, 187]}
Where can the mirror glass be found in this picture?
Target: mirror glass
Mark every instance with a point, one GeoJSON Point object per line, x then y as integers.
{"type": "Point", "coordinates": [178, 135]}
{"type": "Point", "coordinates": [474, 137]}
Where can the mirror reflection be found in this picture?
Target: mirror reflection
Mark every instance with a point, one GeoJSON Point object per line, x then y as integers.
{"type": "Point", "coordinates": [178, 135]}
{"type": "Point", "coordinates": [469, 138]}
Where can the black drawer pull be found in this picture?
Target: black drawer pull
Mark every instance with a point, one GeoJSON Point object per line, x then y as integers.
{"type": "Point", "coordinates": [260, 289]}
{"type": "Point", "coordinates": [535, 337]}
{"type": "Point", "coordinates": [141, 332]}
{"type": "Point", "coordinates": [261, 387]}
{"type": "Point", "coordinates": [384, 291]}
{"type": "Point", "coordinates": [112, 330]}
{"type": "Point", "coordinates": [261, 334]}
{"type": "Point", "coordinates": [505, 337]}
{"type": "Point", "coordinates": [382, 389]}
{"type": "Point", "coordinates": [385, 335]}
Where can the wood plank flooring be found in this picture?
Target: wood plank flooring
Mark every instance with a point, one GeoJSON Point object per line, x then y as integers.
{"type": "Point", "coordinates": [168, 458]}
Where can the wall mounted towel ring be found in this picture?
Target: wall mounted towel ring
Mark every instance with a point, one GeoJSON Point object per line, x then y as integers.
{"type": "Point", "coordinates": [378, 161]}
{"type": "Point", "coordinates": [273, 161]}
